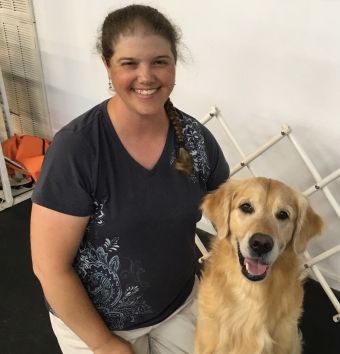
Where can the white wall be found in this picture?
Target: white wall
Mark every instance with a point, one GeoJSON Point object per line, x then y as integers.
{"type": "Point", "coordinates": [261, 62]}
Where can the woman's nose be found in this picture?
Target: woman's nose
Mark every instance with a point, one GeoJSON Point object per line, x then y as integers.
{"type": "Point", "coordinates": [145, 73]}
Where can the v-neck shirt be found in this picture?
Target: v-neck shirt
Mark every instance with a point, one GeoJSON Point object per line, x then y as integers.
{"type": "Point", "coordinates": [137, 258]}
{"type": "Point", "coordinates": [125, 152]}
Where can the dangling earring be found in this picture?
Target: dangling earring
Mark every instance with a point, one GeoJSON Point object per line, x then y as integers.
{"type": "Point", "coordinates": [111, 88]}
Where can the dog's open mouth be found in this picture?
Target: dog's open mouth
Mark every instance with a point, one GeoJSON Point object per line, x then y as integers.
{"type": "Point", "coordinates": [252, 268]}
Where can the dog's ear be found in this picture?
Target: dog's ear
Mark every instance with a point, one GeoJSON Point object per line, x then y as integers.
{"type": "Point", "coordinates": [308, 225]}
{"type": "Point", "coordinates": [216, 207]}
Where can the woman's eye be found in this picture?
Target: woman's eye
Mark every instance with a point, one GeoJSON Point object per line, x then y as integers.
{"type": "Point", "coordinates": [246, 208]}
{"type": "Point", "coordinates": [282, 215]}
{"type": "Point", "coordinates": [128, 63]}
{"type": "Point", "coordinates": [160, 62]}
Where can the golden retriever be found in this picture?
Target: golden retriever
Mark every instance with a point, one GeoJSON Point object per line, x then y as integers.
{"type": "Point", "coordinates": [250, 295]}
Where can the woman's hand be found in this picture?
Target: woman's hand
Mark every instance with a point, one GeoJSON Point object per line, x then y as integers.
{"type": "Point", "coordinates": [115, 345]}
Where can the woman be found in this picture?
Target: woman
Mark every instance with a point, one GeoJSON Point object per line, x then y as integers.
{"type": "Point", "coordinates": [114, 211]}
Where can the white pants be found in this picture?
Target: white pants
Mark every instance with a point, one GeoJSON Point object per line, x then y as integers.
{"type": "Point", "coordinates": [175, 335]}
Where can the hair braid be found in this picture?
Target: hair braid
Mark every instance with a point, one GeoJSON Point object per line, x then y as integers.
{"type": "Point", "coordinates": [184, 160]}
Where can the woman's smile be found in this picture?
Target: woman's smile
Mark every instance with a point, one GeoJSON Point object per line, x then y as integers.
{"type": "Point", "coordinates": [145, 92]}
{"type": "Point", "coordinates": [142, 71]}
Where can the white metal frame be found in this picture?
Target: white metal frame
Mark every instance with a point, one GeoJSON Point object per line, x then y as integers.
{"type": "Point", "coordinates": [8, 196]}
{"type": "Point", "coordinates": [24, 63]}
{"type": "Point", "coordinates": [320, 185]}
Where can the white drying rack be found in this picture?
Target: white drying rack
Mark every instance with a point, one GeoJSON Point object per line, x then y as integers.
{"type": "Point", "coordinates": [320, 185]}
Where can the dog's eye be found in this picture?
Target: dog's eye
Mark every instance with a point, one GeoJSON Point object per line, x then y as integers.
{"type": "Point", "coordinates": [247, 208]}
{"type": "Point", "coordinates": [282, 215]}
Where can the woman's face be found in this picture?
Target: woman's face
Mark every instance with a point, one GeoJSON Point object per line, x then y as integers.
{"type": "Point", "coordinates": [142, 71]}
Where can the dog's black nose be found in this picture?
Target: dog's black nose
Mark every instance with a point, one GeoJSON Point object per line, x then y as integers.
{"type": "Point", "coordinates": [261, 243]}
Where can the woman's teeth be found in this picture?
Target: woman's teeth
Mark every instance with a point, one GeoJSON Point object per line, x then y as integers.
{"type": "Point", "coordinates": [146, 92]}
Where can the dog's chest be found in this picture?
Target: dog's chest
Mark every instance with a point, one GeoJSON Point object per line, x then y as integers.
{"type": "Point", "coordinates": [245, 322]}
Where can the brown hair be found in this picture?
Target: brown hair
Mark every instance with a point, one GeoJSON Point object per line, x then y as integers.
{"type": "Point", "coordinates": [125, 21]}
{"type": "Point", "coordinates": [184, 160]}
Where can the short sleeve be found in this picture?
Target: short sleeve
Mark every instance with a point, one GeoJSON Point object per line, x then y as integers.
{"type": "Point", "coordinates": [65, 183]}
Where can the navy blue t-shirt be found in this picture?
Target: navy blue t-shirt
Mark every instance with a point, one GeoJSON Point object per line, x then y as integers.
{"type": "Point", "coordinates": [137, 258]}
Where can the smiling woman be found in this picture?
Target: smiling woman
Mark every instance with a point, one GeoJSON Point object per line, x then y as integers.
{"type": "Point", "coordinates": [142, 71]}
{"type": "Point", "coordinates": [105, 235]}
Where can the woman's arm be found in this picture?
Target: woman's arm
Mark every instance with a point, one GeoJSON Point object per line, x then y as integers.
{"type": "Point", "coordinates": [55, 238]}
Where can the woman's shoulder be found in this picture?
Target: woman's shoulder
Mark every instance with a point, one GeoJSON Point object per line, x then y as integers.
{"type": "Point", "coordinates": [82, 132]}
{"type": "Point", "coordinates": [192, 125]}
{"type": "Point", "coordinates": [186, 118]}
{"type": "Point", "coordinates": [85, 122]}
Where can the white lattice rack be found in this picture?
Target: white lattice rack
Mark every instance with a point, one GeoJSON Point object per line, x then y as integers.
{"type": "Point", "coordinates": [319, 186]}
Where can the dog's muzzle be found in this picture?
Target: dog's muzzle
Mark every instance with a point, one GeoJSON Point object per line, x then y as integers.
{"type": "Point", "coordinates": [254, 266]}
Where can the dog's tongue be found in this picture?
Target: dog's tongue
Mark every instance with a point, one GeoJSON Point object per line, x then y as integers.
{"type": "Point", "coordinates": [254, 267]}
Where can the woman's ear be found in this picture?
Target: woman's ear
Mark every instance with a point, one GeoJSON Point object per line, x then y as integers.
{"type": "Point", "coordinates": [216, 207]}
{"type": "Point", "coordinates": [308, 225]}
{"type": "Point", "coordinates": [106, 63]}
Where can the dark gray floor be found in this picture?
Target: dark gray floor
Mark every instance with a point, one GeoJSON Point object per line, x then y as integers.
{"type": "Point", "coordinates": [24, 324]}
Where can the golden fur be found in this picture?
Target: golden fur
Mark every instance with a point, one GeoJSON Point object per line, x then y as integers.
{"type": "Point", "coordinates": [244, 314]}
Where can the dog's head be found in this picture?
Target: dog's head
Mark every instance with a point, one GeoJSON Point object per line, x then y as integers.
{"type": "Point", "coordinates": [262, 217]}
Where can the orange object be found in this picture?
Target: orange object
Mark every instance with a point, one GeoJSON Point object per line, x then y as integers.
{"type": "Point", "coordinates": [26, 150]}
